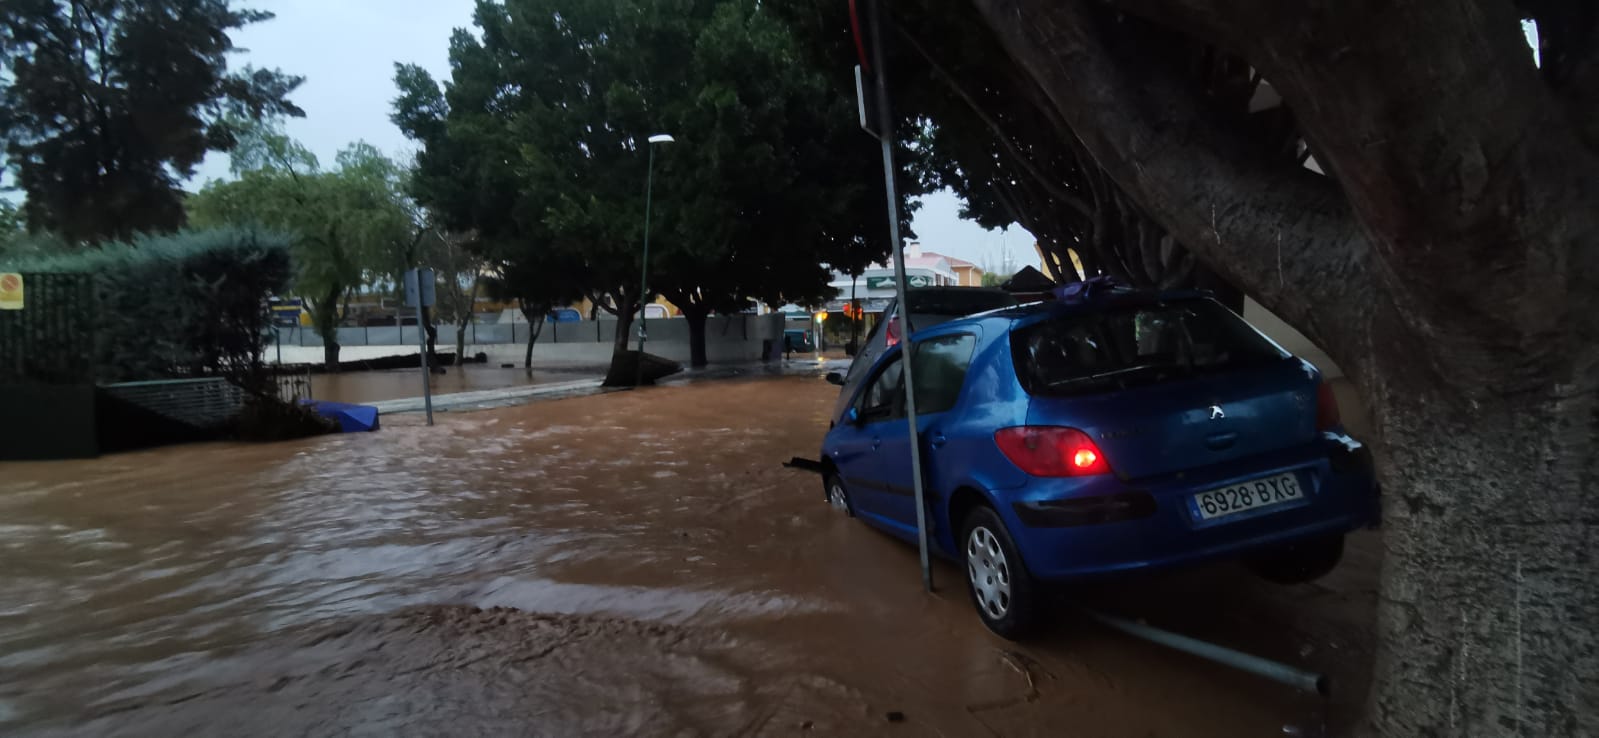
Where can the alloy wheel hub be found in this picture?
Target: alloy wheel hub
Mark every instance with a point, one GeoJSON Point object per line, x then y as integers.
{"type": "Point", "coordinates": [988, 571]}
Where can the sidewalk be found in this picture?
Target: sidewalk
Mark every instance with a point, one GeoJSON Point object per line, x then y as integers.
{"type": "Point", "coordinates": [508, 396]}
{"type": "Point", "coordinates": [485, 399]}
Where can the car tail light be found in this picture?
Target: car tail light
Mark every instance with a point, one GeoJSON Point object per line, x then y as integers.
{"type": "Point", "coordinates": [1047, 451]}
{"type": "Point", "coordinates": [1327, 416]}
{"type": "Point", "coordinates": [893, 331]}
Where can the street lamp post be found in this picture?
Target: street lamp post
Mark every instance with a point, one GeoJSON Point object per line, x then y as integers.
{"type": "Point", "coordinates": [644, 268]}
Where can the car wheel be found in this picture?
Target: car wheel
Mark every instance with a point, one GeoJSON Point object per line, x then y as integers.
{"type": "Point", "coordinates": [1297, 562]}
{"type": "Point", "coordinates": [1003, 592]}
{"type": "Point", "coordinates": [837, 494]}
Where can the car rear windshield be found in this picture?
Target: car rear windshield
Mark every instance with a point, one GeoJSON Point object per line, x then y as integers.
{"type": "Point", "coordinates": [1117, 347]}
{"type": "Point", "coordinates": [957, 302]}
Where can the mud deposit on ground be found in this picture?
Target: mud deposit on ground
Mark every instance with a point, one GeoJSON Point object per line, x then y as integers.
{"type": "Point", "coordinates": [629, 563]}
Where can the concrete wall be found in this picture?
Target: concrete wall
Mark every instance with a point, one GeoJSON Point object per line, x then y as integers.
{"type": "Point", "coordinates": [1290, 339]}
{"type": "Point", "coordinates": [727, 339]}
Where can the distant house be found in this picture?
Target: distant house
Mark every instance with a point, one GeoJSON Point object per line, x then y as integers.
{"type": "Point", "coordinates": [967, 274]}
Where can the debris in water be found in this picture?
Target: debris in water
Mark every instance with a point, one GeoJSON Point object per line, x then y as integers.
{"type": "Point", "coordinates": [895, 716]}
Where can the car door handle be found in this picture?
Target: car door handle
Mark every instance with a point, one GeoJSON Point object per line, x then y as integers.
{"type": "Point", "coordinates": [876, 442]}
{"type": "Point", "coordinates": [937, 440]}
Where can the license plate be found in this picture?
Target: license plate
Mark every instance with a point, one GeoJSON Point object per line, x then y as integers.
{"type": "Point", "coordinates": [1243, 497]}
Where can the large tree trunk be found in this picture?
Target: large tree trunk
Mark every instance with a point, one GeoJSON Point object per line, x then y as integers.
{"type": "Point", "coordinates": [466, 317]}
{"type": "Point", "coordinates": [325, 314]}
{"type": "Point", "coordinates": [1448, 265]}
{"type": "Point", "coordinates": [432, 333]}
{"type": "Point", "coordinates": [536, 315]}
{"type": "Point", "coordinates": [696, 316]}
{"type": "Point", "coordinates": [1488, 605]}
{"type": "Point", "coordinates": [624, 328]}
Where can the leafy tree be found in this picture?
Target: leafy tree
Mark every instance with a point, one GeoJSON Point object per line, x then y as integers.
{"type": "Point", "coordinates": [12, 228]}
{"type": "Point", "coordinates": [349, 225]}
{"type": "Point", "coordinates": [1447, 263]}
{"type": "Point", "coordinates": [538, 142]}
{"type": "Point", "coordinates": [106, 106]}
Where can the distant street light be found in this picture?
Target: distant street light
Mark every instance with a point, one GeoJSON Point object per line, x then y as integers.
{"type": "Point", "coordinates": [644, 270]}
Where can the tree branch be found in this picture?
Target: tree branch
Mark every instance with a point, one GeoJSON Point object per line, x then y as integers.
{"type": "Point", "coordinates": [1051, 185]}
{"type": "Point", "coordinates": [1147, 131]}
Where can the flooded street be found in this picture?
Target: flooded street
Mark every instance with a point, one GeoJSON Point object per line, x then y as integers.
{"type": "Point", "coordinates": [633, 562]}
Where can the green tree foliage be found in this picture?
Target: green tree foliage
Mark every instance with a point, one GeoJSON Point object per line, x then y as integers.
{"type": "Point", "coordinates": [537, 143]}
{"type": "Point", "coordinates": [106, 106]}
{"type": "Point", "coordinates": [12, 228]}
{"type": "Point", "coordinates": [190, 304]}
{"type": "Point", "coordinates": [349, 226]}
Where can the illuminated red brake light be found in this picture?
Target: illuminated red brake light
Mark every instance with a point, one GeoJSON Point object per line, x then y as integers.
{"type": "Point", "coordinates": [1327, 416]}
{"type": "Point", "coordinates": [1047, 451]}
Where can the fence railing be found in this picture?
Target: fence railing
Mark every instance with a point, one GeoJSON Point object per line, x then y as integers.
{"type": "Point", "coordinates": [202, 403]}
{"type": "Point", "coordinates": [292, 386]}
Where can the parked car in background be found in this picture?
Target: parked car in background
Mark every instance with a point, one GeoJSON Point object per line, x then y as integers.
{"type": "Point", "coordinates": [930, 306]}
{"type": "Point", "coordinates": [797, 340]}
{"type": "Point", "coordinates": [1116, 432]}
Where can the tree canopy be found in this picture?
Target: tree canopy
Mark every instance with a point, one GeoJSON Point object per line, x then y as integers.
{"type": "Point", "coordinates": [350, 225]}
{"type": "Point", "coordinates": [538, 144]}
{"type": "Point", "coordinates": [106, 107]}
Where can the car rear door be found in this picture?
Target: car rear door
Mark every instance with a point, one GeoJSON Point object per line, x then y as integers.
{"type": "Point", "coordinates": [939, 373]}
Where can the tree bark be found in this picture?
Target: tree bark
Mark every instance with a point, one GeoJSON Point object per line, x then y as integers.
{"type": "Point", "coordinates": [465, 318]}
{"type": "Point", "coordinates": [536, 315]}
{"type": "Point", "coordinates": [1448, 265]}
{"type": "Point", "coordinates": [325, 313]}
{"type": "Point", "coordinates": [696, 315]}
{"type": "Point", "coordinates": [432, 333]}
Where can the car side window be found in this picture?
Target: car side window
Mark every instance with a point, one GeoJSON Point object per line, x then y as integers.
{"type": "Point", "coordinates": [881, 398]}
{"type": "Point", "coordinates": [941, 364]}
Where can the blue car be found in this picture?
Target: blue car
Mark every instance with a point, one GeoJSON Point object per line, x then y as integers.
{"type": "Point", "coordinates": [1105, 433]}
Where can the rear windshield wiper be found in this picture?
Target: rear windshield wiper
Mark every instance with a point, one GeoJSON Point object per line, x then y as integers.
{"type": "Point", "coordinates": [1101, 376]}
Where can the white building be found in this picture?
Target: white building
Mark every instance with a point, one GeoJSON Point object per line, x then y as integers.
{"type": "Point", "coordinates": [875, 287]}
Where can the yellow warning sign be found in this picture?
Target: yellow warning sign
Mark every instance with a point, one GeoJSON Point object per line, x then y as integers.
{"type": "Point", "coordinates": [10, 291]}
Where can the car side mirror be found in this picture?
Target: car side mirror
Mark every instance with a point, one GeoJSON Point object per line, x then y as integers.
{"type": "Point", "coordinates": [835, 378]}
{"type": "Point", "coordinates": [852, 416]}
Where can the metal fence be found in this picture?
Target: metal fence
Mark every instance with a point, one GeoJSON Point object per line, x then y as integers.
{"type": "Point", "coordinates": [52, 339]}
{"type": "Point", "coordinates": [202, 403]}
{"type": "Point", "coordinates": [292, 386]}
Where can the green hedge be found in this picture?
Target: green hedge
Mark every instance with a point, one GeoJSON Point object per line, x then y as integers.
{"type": "Point", "coordinates": [190, 304]}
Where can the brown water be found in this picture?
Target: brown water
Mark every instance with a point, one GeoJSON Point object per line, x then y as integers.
{"type": "Point", "coordinates": [630, 563]}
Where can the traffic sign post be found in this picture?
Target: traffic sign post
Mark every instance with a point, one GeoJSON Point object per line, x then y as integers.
{"type": "Point", "coordinates": [875, 68]}
{"type": "Point", "coordinates": [419, 293]}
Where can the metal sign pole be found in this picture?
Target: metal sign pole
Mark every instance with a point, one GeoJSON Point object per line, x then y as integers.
{"type": "Point", "coordinates": [885, 134]}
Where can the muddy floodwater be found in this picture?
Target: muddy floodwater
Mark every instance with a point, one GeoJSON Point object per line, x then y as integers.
{"type": "Point", "coordinates": [627, 563]}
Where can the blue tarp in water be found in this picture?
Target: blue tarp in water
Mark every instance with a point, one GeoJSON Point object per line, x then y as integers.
{"type": "Point", "coordinates": [351, 418]}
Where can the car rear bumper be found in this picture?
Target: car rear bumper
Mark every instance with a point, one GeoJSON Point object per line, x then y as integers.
{"type": "Point", "coordinates": [1069, 529]}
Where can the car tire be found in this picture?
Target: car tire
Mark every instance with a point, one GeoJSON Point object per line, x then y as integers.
{"type": "Point", "coordinates": [1004, 594]}
{"type": "Point", "coordinates": [1297, 562]}
{"type": "Point", "coordinates": [836, 494]}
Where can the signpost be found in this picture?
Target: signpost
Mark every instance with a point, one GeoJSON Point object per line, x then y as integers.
{"type": "Point", "coordinates": [419, 293]}
{"type": "Point", "coordinates": [11, 297]}
{"type": "Point", "coordinates": [884, 132]}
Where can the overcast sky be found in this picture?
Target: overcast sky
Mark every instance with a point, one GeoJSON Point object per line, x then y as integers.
{"type": "Point", "coordinates": [346, 51]}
